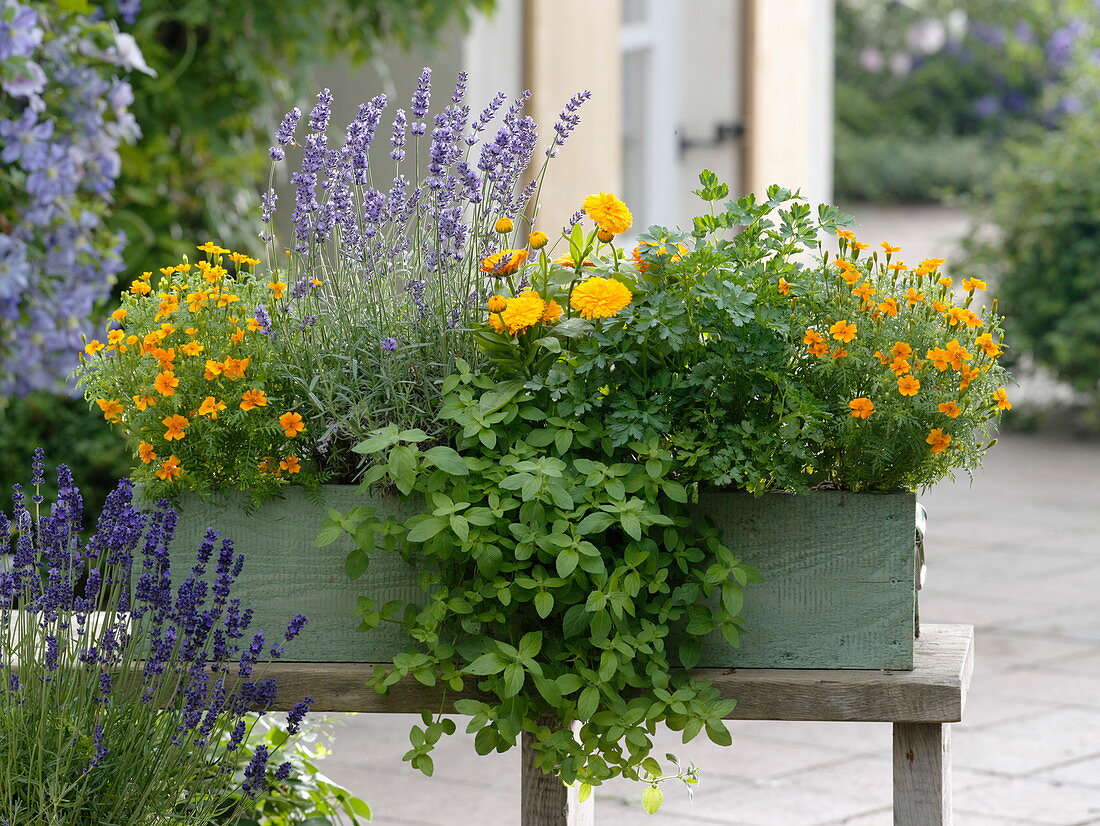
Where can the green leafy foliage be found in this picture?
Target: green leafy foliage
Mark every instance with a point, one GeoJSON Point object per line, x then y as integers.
{"type": "Point", "coordinates": [565, 580]}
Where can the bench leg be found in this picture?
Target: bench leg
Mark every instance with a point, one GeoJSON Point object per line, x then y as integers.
{"type": "Point", "coordinates": [922, 774]}
{"type": "Point", "coordinates": [545, 800]}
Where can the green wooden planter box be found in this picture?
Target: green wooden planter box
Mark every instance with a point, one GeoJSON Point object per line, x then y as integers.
{"type": "Point", "coordinates": [838, 570]}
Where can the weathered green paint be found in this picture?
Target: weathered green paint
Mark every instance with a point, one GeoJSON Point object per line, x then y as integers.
{"type": "Point", "coordinates": [838, 569]}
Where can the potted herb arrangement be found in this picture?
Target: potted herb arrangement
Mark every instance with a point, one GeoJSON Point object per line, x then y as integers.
{"type": "Point", "coordinates": [568, 468]}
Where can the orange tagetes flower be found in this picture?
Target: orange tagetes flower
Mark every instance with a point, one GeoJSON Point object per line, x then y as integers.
{"type": "Point", "coordinates": [112, 409]}
{"type": "Point", "coordinates": [166, 383]}
{"type": "Point", "coordinates": [908, 385]}
{"type": "Point", "coordinates": [291, 464]}
{"type": "Point", "coordinates": [176, 425]}
{"type": "Point", "coordinates": [914, 296]}
{"type": "Point", "coordinates": [210, 407]}
{"type": "Point", "coordinates": [1000, 396]}
{"type": "Point", "coordinates": [949, 409]}
{"type": "Point", "coordinates": [253, 398]}
{"type": "Point", "coordinates": [938, 440]}
{"type": "Point", "coordinates": [291, 424]}
{"type": "Point", "coordinates": [504, 262]}
{"type": "Point", "coordinates": [784, 286]}
{"type": "Point", "coordinates": [278, 288]}
{"type": "Point", "coordinates": [170, 469]}
{"type": "Point", "coordinates": [889, 249]}
{"type": "Point", "coordinates": [988, 345]}
{"type": "Point", "coordinates": [233, 369]}
{"type": "Point", "coordinates": [862, 408]}
{"type": "Point", "coordinates": [843, 331]}
{"type": "Point", "coordinates": [971, 284]}
{"type": "Point", "coordinates": [889, 307]}
{"type": "Point", "coordinates": [144, 401]}
{"type": "Point", "coordinates": [146, 452]}
{"type": "Point", "coordinates": [93, 347]}
{"type": "Point", "coordinates": [599, 297]}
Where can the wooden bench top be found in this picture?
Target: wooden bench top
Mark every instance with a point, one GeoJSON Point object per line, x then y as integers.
{"type": "Point", "coordinates": [933, 692]}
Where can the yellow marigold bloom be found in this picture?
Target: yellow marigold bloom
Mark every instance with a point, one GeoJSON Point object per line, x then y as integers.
{"type": "Point", "coordinates": [889, 307]}
{"type": "Point", "coordinates": [864, 291]}
{"type": "Point", "coordinates": [214, 274]}
{"type": "Point", "coordinates": [277, 288]}
{"type": "Point", "coordinates": [146, 452]}
{"type": "Point", "coordinates": [537, 239]}
{"type": "Point", "coordinates": [140, 288]}
{"type": "Point", "coordinates": [843, 331]}
{"type": "Point", "coordinates": [846, 234]}
{"type": "Point", "coordinates": [112, 409]}
{"type": "Point", "coordinates": [197, 300]}
{"type": "Point", "coordinates": [166, 383]}
{"type": "Point", "coordinates": [967, 374]}
{"type": "Point", "coordinates": [291, 424]}
{"type": "Point", "coordinates": [599, 297]}
{"type": "Point", "coordinates": [818, 348]}
{"type": "Point", "coordinates": [839, 353]}
{"type": "Point", "coordinates": [241, 258]}
{"type": "Point", "coordinates": [93, 347]}
{"type": "Point", "coordinates": [225, 299]}
{"type": "Point", "coordinates": [497, 303]}
{"type": "Point", "coordinates": [553, 312]}
{"type": "Point", "coordinates": [191, 331]}
{"type": "Point", "coordinates": [939, 357]}
{"type": "Point", "coordinates": [812, 336]}
{"type": "Point", "coordinates": [900, 366]}
{"type": "Point", "coordinates": [192, 348]}
{"type": "Point", "coordinates": [212, 249]}
{"type": "Point", "coordinates": [504, 262]}
{"type": "Point", "coordinates": [608, 212]}
{"type": "Point", "coordinates": [1000, 396]}
{"type": "Point", "coordinates": [521, 312]}
{"type": "Point", "coordinates": [504, 225]}
{"type": "Point", "coordinates": [862, 408]}
{"type": "Point", "coordinates": [859, 245]}
{"type": "Point", "coordinates": [169, 469]}
{"type": "Point", "coordinates": [238, 335]}
{"type": "Point", "coordinates": [168, 305]}
{"type": "Point", "coordinates": [901, 350]}
{"type": "Point", "coordinates": [957, 353]}
{"type": "Point", "coordinates": [949, 409]}
{"type": "Point", "coordinates": [898, 266]}
{"type": "Point", "coordinates": [882, 359]}
{"type": "Point", "coordinates": [914, 296]}
{"type": "Point", "coordinates": [988, 346]}
{"type": "Point", "coordinates": [115, 337]}
{"type": "Point", "coordinates": [938, 439]}
{"type": "Point", "coordinates": [144, 401]}
{"type": "Point", "coordinates": [843, 263]}
{"type": "Point", "coordinates": [889, 249]}
{"type": "Point", "coordinates": [132, 340]}
{"type": "Point", "coordinates": [946, 282]}
{"type": "Point", "coordinates": [971, 284]}
{"type": "Point", "coordinates": [940, 307]}
{"type": "Point", "coordinates": [784, 286]}
{"type": "Point", "coordinates": [167, 271]}
{"type": "Point", "coordinates": [165, 358]}
{"type": "Point", "coordinates": [253, 398]}
{"type": "Point", "coordinates": [210, 407]}
{"type": "Point", "coordinates": [291, 464]}
{"type": "Point", "coordinates": [851, 276]}
{"type": "Point", "coordinates": [214, 369]}
{"type": "Point", "coordinates": [254, 326]}
{"type": "Point", "coordinates": [119, 314]}
{"type": "Point", "coordinates": [176, 425]}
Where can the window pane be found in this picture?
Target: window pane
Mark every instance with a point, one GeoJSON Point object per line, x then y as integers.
{"type": "Point", "coordinates": [635, 11]}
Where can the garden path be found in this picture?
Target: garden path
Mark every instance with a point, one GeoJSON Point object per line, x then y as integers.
{"type": "Point", "coordinates": [1016, 553]}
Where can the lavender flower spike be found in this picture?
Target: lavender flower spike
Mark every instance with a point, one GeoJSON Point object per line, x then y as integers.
{"type": "Point", "coordinates": [319, 117]}
{"type": "Point", "coordinates": [421, 99]}
{"type": "Point", "coordinates": [567, 121]}
{"type": "Point", "coordinates": [398, 139]}
{"type": "Point", "coordinates": [284, 136]}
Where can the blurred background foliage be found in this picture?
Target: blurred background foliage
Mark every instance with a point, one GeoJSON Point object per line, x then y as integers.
{"type": "Point", "coordinates": [196, 173]}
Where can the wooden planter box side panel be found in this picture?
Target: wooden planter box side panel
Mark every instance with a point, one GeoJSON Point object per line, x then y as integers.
{"type": "Point", "coordinates": [838, 588]}
{"type": "Point", "coordinates": [285, 573]}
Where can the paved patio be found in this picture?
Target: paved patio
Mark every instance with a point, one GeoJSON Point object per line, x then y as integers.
{"type": "Point", "coordinates": [1017, 554]}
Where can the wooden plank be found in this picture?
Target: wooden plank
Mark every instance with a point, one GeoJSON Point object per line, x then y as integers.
{"type": "Point", "coordinates": [922, 774]}
{"type": "Point", "coordinates": [545, 800]}
{"type": "Point", "coordinates": [839, 589]}
{"type": "Point", "coordinates": [933, 692]}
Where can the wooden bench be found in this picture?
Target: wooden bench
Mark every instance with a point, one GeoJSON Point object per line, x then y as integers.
{"type": "Point", "coordinates": [921, 704]}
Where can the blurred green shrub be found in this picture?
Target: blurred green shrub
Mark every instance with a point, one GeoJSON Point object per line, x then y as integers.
{"type": "Point", "coordinates": [1044, 252]}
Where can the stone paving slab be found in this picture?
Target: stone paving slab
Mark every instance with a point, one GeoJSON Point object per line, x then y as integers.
{"type": "Point", "coordinates": [1017, 553]}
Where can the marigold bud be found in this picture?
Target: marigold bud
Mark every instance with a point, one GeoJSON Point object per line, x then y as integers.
{"type": "Point", "coordinates": [605, 236]}
{"type": "Point", "coordinates": [497, 304]}
{"type": "Point", "coordinates": [504, 225]}
{"type": "Point", "coordinates": [537, 239]}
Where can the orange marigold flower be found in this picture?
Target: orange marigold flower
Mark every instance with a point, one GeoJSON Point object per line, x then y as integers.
{"type": "Point", "coordinates": [812, 336]}
{"type": "Point", "coordinates": [140, 288]}
{"type": "Point", "coordinates": [253, 398]}
{"type": "Point", "coordinates": [864, 291]}
{"type": "Point", "coordinates": [839, 353]}
{"type": "Point", "coordinates": [521, 312]}
{"type": "Point", "coordinates": [988, 346]}
{"type": "Point", "coordinates": [898, 266]}
{"type": "Point", "coordinates": [504, 262]}
{"type": "Point", "coordinates": [957, 353]}
{"type": "Point", "coordinates": [291, 464]}
{"type": "Point", "coordinates": [971, 284]}
{"type": "Point", "coordinates": [214, 369]}
{"type": "Point", "coordinates": [938, 440]}
{"type": "Point", "coordinates": [144, 401]}
{"type": "Point", "coordinates": [119, 314]}
{"type": "Point", "coordinates": [599, 297]}
{"type": "Point", "coordinates": [166, 383]}
{"type": "Point", "coordinates": [859, 245]}
{"type": "Point", "coordinates": [176, 425]}
{"type": "Point", "coordinates": [504, 225]}
{"type": "Point", "coordinates": [169, 469]}
{"type": "Point", "coordinates": [238, 335]}
{"type": "Point", "coordinates": [784, 286]}
{"type": "Point", "coordinates": [900, 366]}
{"type": "Point", "coordinates": [846, 234]}
{"type": "Point", "coordinates": [946, 282]}
{"type": "Point", "coordinates": [233, 369]}
{"type": "Point", "coordinates": [901, 350]}
{"type": "Point", "coordinates": [291, 424]}
{"type": "Point", "coordinates": [889, 249]}
{"type": "Point", "coordinates": [908, 385]}
{"type": "Point", "coordinates": [93, 347]}
{"type": "Point", "coordinates": [851, 276]}
{"type": "Point", "coordinates": [889, 306]}
{"type": "Point", "coordinates": [165, 358]}
{"type": "Point", "coordinates": [146, 452]}
{"type": "Point", "coordinates": [967, 374]}
{"type": "Point", "coordinates": [210, 248]}
{"type": "Point", "coordinates": [949, 409]}
{"type": "Point", "coordinates": [112, 409]}
{"type": "Point", "coordinates": [843, 331]}
{"type": "Point", "coordinates": [862, 408]}
{"type": "Point", "coordinates": [553, 312]}
{"type": "Point", "coordinates": [192, 348]}
{"type": "Point", "coordinates": [210, 407]}
{"type": "Point", "coordinates": [254, 326]}
{"type": "Point", "coordinates": [225, 299]}
{"type": "Point", "coordinates": [1000, 396]}
{"type": "Point", "coordinates": [568, 262]}
{"type": "Point", "coordinates": [278, 288]}
{"type": "Point", "coordinates": [939, 357]}
{"type": "Point", "coordinates": [497, 303]}
{"type": "Point", "coordinates": [168, 304]}
{"type": "Point", "coordinates": [914, 296]}
{"type": "Point", "coordinates": [608, 212]}
{"type": "Point", "coordinates": [818, 348]}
